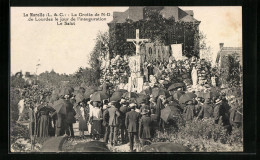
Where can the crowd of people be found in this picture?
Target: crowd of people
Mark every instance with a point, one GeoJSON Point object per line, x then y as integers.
{"type": "Point", "coordinates": [157, 73]}
{"type": "Point", "coordinates": [123, 120]}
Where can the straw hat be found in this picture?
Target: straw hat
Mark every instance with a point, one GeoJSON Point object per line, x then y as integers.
{"type": "Point", "coordinates": [132, 105]}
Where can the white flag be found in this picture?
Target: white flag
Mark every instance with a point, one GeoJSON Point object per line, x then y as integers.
{"type": "Point", "coordinates": [177, 51]}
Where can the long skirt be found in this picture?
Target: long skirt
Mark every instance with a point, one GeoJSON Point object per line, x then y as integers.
{"type": "Point", "coordinates": [96, 127]}
{"type": "Point", "coordinates": [44, 125]}
{"type": "Point", "coordinates": [83, 126]}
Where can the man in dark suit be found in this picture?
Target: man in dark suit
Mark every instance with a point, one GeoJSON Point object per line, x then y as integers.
{"type": "Point", "coordinates": [70, 118]}
{"type": "Point", "coordinates": [131, 123]}
{"type": "Point", "coordinates": [113, 122]}
{"type": "Point", "coordinates": [206, 110]}
{"type": "Point", "coordinates": [123, 110]}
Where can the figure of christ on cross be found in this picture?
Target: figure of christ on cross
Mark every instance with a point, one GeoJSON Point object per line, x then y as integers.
{"type": "Point", "coordinates": [138, 42]}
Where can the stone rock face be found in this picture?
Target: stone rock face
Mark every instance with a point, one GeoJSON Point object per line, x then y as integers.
{"type": "Point", "coordinates": [53, 144]}
{"type": "Point", "coordinates": [166, 147]}
{"type": "Point", "coordinates": [92, 146]}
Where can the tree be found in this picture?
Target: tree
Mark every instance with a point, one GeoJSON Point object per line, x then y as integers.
{"type": "Point", "coordinates": [17, 82]}
{"type": "Point", "coordinates": [97, 55]}
{"type": "Point", "coordinates": [230, 71]}
{"type": "Point", "coordinates": [204, 49]}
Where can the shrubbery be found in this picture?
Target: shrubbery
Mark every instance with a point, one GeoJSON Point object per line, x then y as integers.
{"type": "Point", "coordinates": [203, 136]}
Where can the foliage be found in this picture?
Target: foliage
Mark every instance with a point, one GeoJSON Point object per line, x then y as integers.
{"type": "Point", "coordinates": [203, 136]}
{"type": "Point", "coordinates": [18, 131]}
{"type": "Point", "coordinates": [230, 71]}
{"type": "Point", "coordinates": [155, 27]}
{"type": "Point", "coordinates": [206, 129]}
{"type": "Point", "coordinates": [17, 82]}
{"type": "Point", "coordinates": [52, 79]}
{"type": "Point", "coordinates": [85, 76]}
{"type": "Point", "coordinates": [98, 54]}
{"type": "Point", "coordinates": [14, 99]}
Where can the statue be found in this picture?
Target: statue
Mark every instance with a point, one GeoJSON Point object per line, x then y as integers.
{"type": "Point", "coordinates": [194, 76]}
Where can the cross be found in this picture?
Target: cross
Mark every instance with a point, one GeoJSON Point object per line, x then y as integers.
{"type": "Point", "coordinates": [137, 42]}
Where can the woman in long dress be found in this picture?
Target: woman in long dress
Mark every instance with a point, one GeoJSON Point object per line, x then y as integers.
{"type": "Point", "coordinates": [83, 118]}
{"type": "Point", "coordinates": [44, 121]}
{"type": "Point", "coordinates": [96, 117]}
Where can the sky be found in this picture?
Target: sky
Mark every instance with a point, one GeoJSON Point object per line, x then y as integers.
{"type": "Point", "coordinates": [66, 48]}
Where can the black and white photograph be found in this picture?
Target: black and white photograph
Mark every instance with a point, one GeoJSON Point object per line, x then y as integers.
{"type": "Point", "coordinates": [126, 79]}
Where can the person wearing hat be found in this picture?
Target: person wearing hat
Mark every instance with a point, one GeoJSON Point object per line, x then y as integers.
{"type": "Point", "coordinates": [70, 117]}
{"type": "Point", "coordinates": [131, 123]}
{"type": "Point", "coordinates": [105, 123]}
{"type": "Point", "coordinates": [219, 112]}
{"type": "Point", "coordinates": [159, 107]}
{"type": "Point", "coordinates": [114, 115]}
{"type": "Point", "coordinates": [83, 117]}
{"type": "Point", "coordinates": [143, 106]}
{"type": "Point", "coordinates": [198, 105]}
{"type": "Point", "coordinates": [206, 110]}
{"type": "Point", "coordinates": [145, 127]}
{"type": "Point", "coordinates": [61, 119]}
{"type": "Point", "coordinates": [154, 119]}
{"type": "Point", "coordinates": [95, 117]}
{"type": "Point", "coordinates": [236, 115]}
{"type": "Point", "coordinates": [152, 103]}
{"type": "Point", "coordinates": [189, 111]}
{"type": "Point", "coordinates": [123, 110]}
{"type": "Point", "coordinates": [226, 105]}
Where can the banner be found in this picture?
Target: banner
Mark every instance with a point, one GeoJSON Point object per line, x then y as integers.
{"type": "Point", "coordinates": [166, 53]}
{"type": "Point", "coordinates": [177, 51]}
{"type": "Point", "coordinates": [150, 52]}
{"type": "Point", "coordinates": [135, 64]}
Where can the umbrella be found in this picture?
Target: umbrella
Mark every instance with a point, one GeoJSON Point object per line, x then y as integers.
{"type": "Point", "coordinates": [159, 91]}
{"type": "Point", "coordinates": [140, 100]}
{"type": "Point", "coordinates": [130, 94]}
{"type": "Point", "coordinates": [147, 91]}
{"type": "Point", "coordinates": [186, 97]}
{"type": "Point", "coordinates": [142, 95]}
{"type": "Point", "coordinates": [99, 96]}
{"type": "Point", "coordinates": [83, 85]}
{"type": "Point", "coordinates": [60, 106]}
{"type": "Point", "coordinates": [116, 96]}
{"type": "Point", "coordinates": [46, 108]}
{"type": "Point", "coordinates": [70, 89]}
{"type": "Point", "coordinates": [168, 113]}
{"type": "Point", "coordinates": [79, 98]}
{"type": "Point", "coordinates": [89, 91]}
{"type": "Point", "coordinates": [132, 100]}
{"type": "Point", "coordinates": [178, 94]}
{"type": "Point", "coordinates": [122, 90]}
{"type": "Point", "coordinates": [176, 85]}
{"type": "Point", "coordinates": [118, 93]}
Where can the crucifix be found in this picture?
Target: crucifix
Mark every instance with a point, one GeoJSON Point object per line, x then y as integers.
{"type": "Point", "coordinates": [137, 42]}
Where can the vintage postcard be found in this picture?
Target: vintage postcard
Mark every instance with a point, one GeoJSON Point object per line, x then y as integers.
{"type": "Point", "coordinates": [126, 79]}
